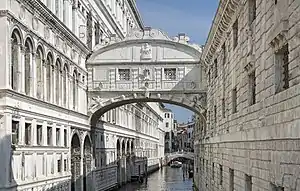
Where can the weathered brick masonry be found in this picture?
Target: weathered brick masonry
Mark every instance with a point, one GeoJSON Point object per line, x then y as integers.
{"type": "Point", "coordinates": [251, 140]}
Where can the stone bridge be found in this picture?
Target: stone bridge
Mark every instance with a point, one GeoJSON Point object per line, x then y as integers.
{"type": "Point", "coordinates": [146, 66]}
{"type": "Point", "coordinates": [171, 156]}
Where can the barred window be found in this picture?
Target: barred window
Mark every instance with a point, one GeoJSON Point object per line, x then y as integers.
{"type": "Point", "coordinates": [252, 88]}
{"type": "Point", "coordinates": [248, 180]}
{"type": "Point", "coordinates": [235, 30]}
{"type": "Point", "coordinates": [282, 69]}
{"type": "Point", "coordinates": [170, 73]}
{"type": "Point", "coordinates": [124, 74]}
{"type": "Point", "coordinates": [65, 165]}
{"type": "Point", "coordinates": [58, 166]}
{"type": "Point", "coordinates": [234, 100]}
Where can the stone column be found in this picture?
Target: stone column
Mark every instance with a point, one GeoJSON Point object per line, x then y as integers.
{"type": "Point", "coordinates": [61, 88]}
{"type": "Point", "coordinates": [33, 82]}
{"type": "Point", "coordinates": [54, 83]}
{"type": "Point", "coordinates": [44, 134]}
{"type": "Point", "coordinates": [44, 79]}
{"type": "Point", "coordinates": [81, 166]}
{"type": "Point", "coordinates": [54, 134]}
{"type": "Point", "coordinates": [68, 106]}
{"type": "Point", "coordinates": [75, 27]}
{"type": "Point", "coordinates": [21, 130]}
{"type": "Point", "coordinates": [52, 69]}
{"type": "Point", "coordinates": [69, 13]}
{"type": "Point", "coordinates": [70, 92]}
{"type": "Point", "coordinates": [21, 70]}
{"type": "Point", "coordinates": [61, 133]}
{"type": "Point", "coordinates": [33, 132]}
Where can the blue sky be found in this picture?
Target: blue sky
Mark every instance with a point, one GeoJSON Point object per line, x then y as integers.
{"type": "Point", "coordinates": [192, 17]}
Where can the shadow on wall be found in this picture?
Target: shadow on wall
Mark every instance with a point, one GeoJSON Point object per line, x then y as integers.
{"type": "Point", "coordinates": [7, 178]}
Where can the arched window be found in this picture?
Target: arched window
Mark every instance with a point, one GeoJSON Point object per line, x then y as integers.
{"type": "Point", "coordinates": [15, 54]}
{"type": "Point", "coordinates": [57, 81]}
{"type": "Point", "coordinates": [39, 72]}
{"type": "Point", "coordinates": [28, 65]}
{"type": "Point", "coordinates": [48, 75]}
{"type": "Point", "coordinates": [74, 89]}
{"type": "Point", "coordinates": [65, 83]}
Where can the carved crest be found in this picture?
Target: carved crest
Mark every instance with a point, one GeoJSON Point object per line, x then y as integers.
{"type": "Point", "coordinates": [35, 23]}
{"type": "Point", "coordinates": [146, 52]}
{"type": "Point", "coordinates": [47, 32]}
{"type": "Point", "coordinates": [73, 53]}
{"type": "Point", "coordinates": [64, 47]}
{"type": "Point", "coordinates": [22, 12]}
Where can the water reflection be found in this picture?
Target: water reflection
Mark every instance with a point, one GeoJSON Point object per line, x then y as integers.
{"type": "Point", "coordinates": [166, 179]}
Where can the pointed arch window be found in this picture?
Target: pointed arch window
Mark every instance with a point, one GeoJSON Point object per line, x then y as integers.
{"type": "Point", "coordinates": [39, 72]}
{"type": "Point", "coordinates": [74, 89]}
{"type": "Point", "coordinates": [64, 82]}
{"type": "Point", "coordinates": [57, 81]}
{"type": "Point", "coordinates": [48, 75]}
{"type": "Point", "coordinates": [15, 59]}
{"type": "Point", "coordinates": [28, 65]}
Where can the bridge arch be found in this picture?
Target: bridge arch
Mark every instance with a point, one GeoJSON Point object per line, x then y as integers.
{"type": "Point", "coordinates": [173, 156]}
{"type": "Point", "coordinates": [146, 66]}
{"type": "Point", "coordinates": [100, 107]}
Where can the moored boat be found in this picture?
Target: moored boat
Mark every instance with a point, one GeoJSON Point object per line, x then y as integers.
{"type": "Point", "coordinates": [176, 164]}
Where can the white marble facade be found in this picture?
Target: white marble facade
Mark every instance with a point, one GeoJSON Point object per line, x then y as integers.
{"type": "Point", "coordinates": [46, 139]}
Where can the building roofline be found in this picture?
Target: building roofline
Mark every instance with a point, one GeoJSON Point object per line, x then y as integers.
{"type": "Point", "coordinates": [136, 13]}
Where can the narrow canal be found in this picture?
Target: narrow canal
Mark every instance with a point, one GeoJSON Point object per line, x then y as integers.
{"type": "Point", "coordinates": [166, 179]}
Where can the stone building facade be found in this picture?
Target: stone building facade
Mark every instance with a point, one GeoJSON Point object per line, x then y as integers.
{"type": "Point", "coordinates": [45, 137]}
{"type": "Point", "coordinates": [251, 138]}
{"type": "Point", "coordinates": [128, 143]}
{"type": "Point", "coordinates": [169, 130]}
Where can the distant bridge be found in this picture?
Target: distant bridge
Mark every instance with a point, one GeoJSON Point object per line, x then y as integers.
{"type": "Point", "coordinates": [171, 156]}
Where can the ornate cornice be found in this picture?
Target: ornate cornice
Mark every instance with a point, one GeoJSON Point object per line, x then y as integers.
{"type": "Point", "coordinates": [20, 97]}
{"type": "Point", "coordinates": [136, 13]}
{"type": "Point", "coordinates": [57, 24]}
{"type": "Point", "coordinates": [221, 23]}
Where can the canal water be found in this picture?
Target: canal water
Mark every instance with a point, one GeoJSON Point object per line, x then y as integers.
{"type": "Point", "coordinates": [166, 179]}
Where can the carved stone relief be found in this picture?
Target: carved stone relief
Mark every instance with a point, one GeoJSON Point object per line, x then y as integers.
{"type": "Point", "coordinates": [47, 33]}
{"type": "Point", "coordinates": [35, 23]}
{"type": "Point", "coordinates": [56, 42]}
{"type": "Point", "coordinates": [73, 53]}
{"type": "Point", "coordinates": [22, 12]}
{"type": "Point", "coordinates": [64, 47]}
{"type": "Point", "coordinates": [146, 52]}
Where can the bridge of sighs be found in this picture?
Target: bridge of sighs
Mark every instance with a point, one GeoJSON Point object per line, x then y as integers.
{"type": "Point", "coordinates": [146, 66]}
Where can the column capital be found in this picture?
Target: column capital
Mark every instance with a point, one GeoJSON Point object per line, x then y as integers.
{"type": "Point", "coordinates": [22, 47]}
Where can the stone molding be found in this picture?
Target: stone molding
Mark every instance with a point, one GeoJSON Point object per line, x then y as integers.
{"type": "Point", "coordinates": [222, 21]}
{"type": "Point", "coordinates": [43, 11]}
{"type": "Point", "coordinates": [278, 37]}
